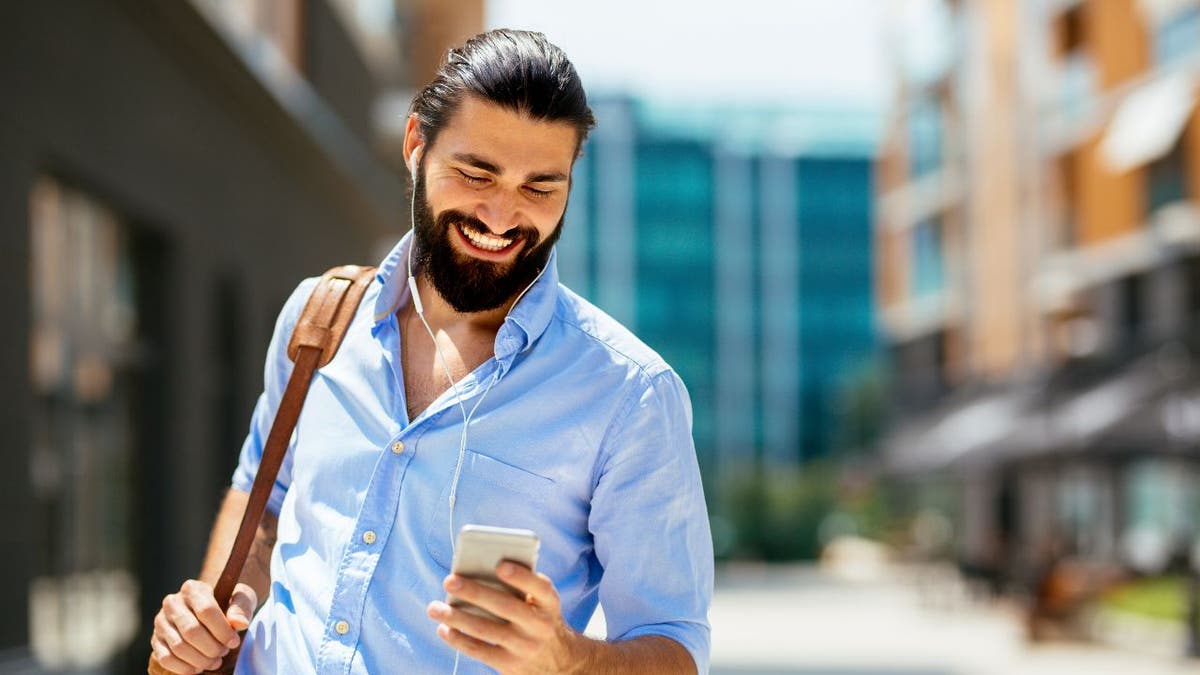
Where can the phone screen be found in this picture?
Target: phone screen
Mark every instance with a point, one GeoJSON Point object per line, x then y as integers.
{"type": "Point", "coordinates": [480, 549]}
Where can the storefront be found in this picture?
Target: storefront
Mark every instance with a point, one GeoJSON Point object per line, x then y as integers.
{"type": "Point", "coordinates": [1097, 460]}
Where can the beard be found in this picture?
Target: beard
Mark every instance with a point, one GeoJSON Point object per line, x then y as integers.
{"type": "Point", "coordinates": [469, 284]}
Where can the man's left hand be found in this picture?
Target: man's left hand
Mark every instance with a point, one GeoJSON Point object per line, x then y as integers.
{"type": "Point", "coordinates": [535, 639]}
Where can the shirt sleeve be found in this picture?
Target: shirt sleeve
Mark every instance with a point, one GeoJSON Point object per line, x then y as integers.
{"type": "Point", "coordinates": [276, 371]}
{"type": "Point", "coordinates": [650, 525]}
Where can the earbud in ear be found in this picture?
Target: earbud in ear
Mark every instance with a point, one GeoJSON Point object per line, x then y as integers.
{"type": "Point", "coordinates": [412, 161]}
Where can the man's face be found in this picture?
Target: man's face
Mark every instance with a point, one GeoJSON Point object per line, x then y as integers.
{"type": "Point", "coordinates": [490, 197]}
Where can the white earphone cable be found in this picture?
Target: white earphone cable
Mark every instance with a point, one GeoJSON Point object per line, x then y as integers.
{"type": "Point", "coordinates": [420, 310]}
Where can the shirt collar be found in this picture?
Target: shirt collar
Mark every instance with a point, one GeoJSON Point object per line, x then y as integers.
{"type": "Point", "coordinates": [522, 327]}
{"type": "Point", "coordinates": [533, 310]}
{"type": "Point", "coordinates": [392, 275]}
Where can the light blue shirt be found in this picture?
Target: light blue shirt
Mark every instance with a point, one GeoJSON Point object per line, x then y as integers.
{"type": "Point", "coordinates": [585, 438]}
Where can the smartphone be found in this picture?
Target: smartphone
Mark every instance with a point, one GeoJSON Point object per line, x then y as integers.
{"type": "Point", "coordinates": [480, 549]}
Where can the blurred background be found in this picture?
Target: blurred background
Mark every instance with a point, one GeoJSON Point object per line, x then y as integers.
{"type": "Point", "coordinates": [929, 269]}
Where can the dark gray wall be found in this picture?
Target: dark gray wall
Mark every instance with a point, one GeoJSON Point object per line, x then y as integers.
{"type": "Point", "coordinates": [144, 106]}
{"type": "Point", "coordinates": [335, 69]}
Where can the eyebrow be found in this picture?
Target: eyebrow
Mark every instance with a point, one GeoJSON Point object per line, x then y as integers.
{"type": "Point", "coordinates": [484, 165]}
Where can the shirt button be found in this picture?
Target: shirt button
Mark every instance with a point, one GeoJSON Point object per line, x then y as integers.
{"type": "Point", "coordinates": [341, 627]}
{"type": "Point", "coordinates": [398, 447]}
{"type": "Point", "coordinates": [369, 537]}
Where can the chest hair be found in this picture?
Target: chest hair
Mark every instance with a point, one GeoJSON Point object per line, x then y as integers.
{"type": "Point", "coordinates": [424, 376]}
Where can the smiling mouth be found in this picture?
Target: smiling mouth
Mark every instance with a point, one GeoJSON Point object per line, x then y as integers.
{"type": "Point", "coordinates": [487, 242]}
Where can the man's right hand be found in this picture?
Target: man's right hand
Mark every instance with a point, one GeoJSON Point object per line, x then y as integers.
{"type": "Point", "coordinates": [192, 635]}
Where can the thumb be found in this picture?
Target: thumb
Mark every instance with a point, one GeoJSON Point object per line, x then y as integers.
{"type": "Point", "coordinates": [241, 607]}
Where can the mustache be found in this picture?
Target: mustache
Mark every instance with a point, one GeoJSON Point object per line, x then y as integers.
{"type": "Point", "coordinates": [450, 217]}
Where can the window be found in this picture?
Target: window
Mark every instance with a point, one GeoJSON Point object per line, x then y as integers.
{"type": "Point", "coordinates": [1166, 178]}
{"type": "Point", "coordinates": [925, 129]}
{"type": "Point", "coordinates": [1191, 274]}
{"type": "Point", "coordinates": [1131, 317]}
{"type": "Point", "coordinates": [922, 370]}
{"type": "Point", "coordinates": [1082, 518]}
{"type": "Point", "coordinates": [83, 598]}
{"type": "Point", "coordinates": [1159, 503]}
{"type": "Point", "coordinates": [1078, 83]}
{"type": "Point", "coordinates": [1078, 76]}
{"type": "Point", "coordinates": [928, 269]}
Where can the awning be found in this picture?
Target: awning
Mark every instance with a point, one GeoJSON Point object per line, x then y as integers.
{"type": "Point", "coordinates": [1149, 122]}
{"type": "Point", "coordinates": [1091, 409]}
{"type": "Point", "coordinates": [1166, 423]}
{"type": "Point", "coordinates": [1149, 404]}
{"type": "Point", "coordinates": [968, 430]}
{"type": "Point", "coordinates": [1088, 413]}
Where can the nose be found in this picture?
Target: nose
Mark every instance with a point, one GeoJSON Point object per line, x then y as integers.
{"type": "Point", "coordinates": [500, 212]}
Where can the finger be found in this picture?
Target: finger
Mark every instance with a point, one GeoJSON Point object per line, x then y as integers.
{"type": "Point", "coordinates": [169, 661]}
{"type": "Point", "coordinates": [537, 587]}
{"type": "Point", "coordinates": [183, 619]}
{"type": "Point", "coordinates": [500, 603]}
{"type": "Point", "coordinates": [492, 655]}
{"type": "Point", "coordinates": [181, 649]}
{"type": "Point", "coordinates": [241, 608]}
{"type": "Point", "coordinates": [481, 628]}
{"type": "Point", "coordinates": [215, 633]}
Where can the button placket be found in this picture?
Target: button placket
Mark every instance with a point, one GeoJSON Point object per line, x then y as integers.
{"type": "Point", "coordinates": [362, 559]}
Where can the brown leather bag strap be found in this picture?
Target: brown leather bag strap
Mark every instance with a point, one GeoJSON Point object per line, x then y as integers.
{"type": "Point", "coordinates": [314, 342]}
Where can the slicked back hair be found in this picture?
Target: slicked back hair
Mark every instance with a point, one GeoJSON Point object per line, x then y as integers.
{"type": "Point", "coordinates": [515, 69]}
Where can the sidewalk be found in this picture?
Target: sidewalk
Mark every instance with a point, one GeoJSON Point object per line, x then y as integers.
{"type": "Point", "coordinates": [796, 620]}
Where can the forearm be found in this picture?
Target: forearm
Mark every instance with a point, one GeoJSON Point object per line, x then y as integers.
{"type": "Point", "coordinates": [648, 655]}
{"type": "Point", "coordinates": [257, 571]}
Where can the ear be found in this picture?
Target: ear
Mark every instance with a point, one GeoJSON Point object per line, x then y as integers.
{"type": "Point", "coordinates": [413, 143]}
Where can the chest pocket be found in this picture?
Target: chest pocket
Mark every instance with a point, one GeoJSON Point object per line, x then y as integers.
{"type": "Point", "coordinates": [490, 492]}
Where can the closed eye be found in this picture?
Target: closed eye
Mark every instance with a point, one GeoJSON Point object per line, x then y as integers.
{"type": "Point", "coordinates": [472, 180]}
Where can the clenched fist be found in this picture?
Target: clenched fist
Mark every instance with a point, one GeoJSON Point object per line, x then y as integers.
{"type": "Point", "coordinates": [191, 634]}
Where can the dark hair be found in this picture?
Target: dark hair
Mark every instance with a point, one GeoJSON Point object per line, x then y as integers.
{"type": "Point", "coordinates": [517, 69]}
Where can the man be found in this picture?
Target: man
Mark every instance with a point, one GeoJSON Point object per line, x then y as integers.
{"type": "Point", "coordinates": [498, 398]}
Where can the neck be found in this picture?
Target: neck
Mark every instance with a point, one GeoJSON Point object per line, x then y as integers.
{"type": "Point", "coordinates": [442, 316]}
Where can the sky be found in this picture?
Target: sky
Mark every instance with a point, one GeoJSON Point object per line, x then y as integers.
{"type": "Point", "coordinates": [807, 52]}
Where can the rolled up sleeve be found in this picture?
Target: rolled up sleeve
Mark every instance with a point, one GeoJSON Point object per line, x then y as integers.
{"type": "Point", "coordinates": [276, 371]}
{"type": "Point", "coordinates": [650, 525]}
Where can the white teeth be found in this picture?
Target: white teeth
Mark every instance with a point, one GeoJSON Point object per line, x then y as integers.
{"type": "Point", "coordinates": [485, 241]}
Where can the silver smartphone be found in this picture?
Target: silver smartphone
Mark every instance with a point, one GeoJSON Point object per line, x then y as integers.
{"type": "Point", "coordinates": [480, 549]}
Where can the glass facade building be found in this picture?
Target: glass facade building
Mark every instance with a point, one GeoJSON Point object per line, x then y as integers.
{"type": "Point", "coordinates": [739, 248]}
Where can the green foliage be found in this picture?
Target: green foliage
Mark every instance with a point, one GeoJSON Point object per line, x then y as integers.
{"type": "Point", "coordinates": [861, 405]}
{"type": "Point", "coordinates": [787, 513]}
{"type": "Point", "coordinates": [1154, 597]}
